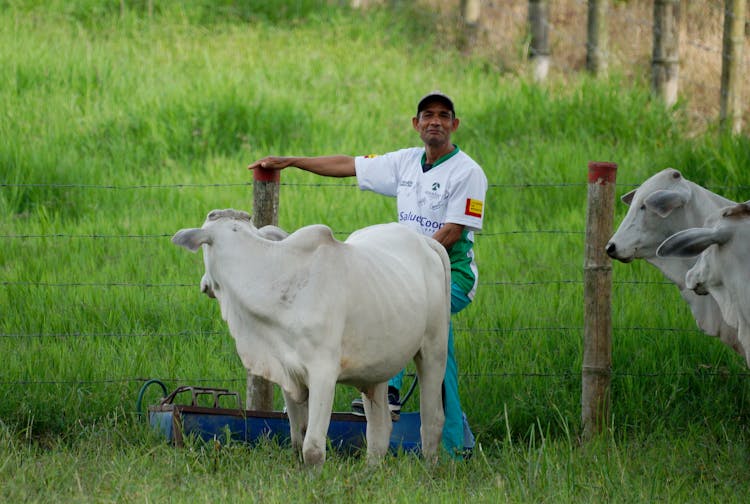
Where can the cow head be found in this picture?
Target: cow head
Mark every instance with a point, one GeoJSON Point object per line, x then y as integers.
{"type": "Point", "coordinates": [215, 224]}
{"type": "Point", "coordinates": [652, 217]}
{"type": "Point", "coordinates": [717, 258]}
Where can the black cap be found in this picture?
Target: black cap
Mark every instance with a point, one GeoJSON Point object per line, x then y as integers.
{"type": "Point", "coordinates": [435, 96]}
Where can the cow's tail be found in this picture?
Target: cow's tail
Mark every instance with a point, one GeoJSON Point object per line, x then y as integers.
{"type": "Point", "coordinates": [443, 254]}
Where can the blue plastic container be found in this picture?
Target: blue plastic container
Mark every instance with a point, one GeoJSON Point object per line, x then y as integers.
{"type": "Point", "coordinates": [346, 431]}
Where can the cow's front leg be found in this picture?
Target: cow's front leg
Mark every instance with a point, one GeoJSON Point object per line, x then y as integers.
{"type": "Point", "coordinates": [379, 423]}
{"type": "Point", "coordinates": [298, 418]}
{"type": "Point", "coordinates": [320, 404]}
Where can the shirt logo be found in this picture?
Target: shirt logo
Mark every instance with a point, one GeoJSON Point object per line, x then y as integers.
{"type": "Point", "coordinates": [474, 207]}
{"type": "Point", "coordinates": [435, 186]}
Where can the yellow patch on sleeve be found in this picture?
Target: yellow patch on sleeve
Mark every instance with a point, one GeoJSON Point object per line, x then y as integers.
{"type": "Point", "coordinates": [474, 207]}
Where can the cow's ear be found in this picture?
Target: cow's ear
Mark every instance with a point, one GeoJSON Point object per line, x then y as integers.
{"type": "Point", "coordinates": [663, 201]}
{"type": "Point", "coordinates": [742, 210]}
{"type": "Point", "coordinates": [191, 239]}
{"type": "Point", "coordinates": [691, 242]}
{"type": "Point", "coordinates": [628, 197]}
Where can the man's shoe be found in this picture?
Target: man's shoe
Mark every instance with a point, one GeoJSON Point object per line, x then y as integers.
{"type": "Point", "coordinates": [358, 407]}
{"type": "Point", "coordinates": [394, 404]}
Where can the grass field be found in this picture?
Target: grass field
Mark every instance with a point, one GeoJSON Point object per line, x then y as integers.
{"type": "Point", "coordinates": [119, 128]}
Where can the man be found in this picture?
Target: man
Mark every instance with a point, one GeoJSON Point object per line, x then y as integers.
{"type": "Point", "coordinates": [440, 192]}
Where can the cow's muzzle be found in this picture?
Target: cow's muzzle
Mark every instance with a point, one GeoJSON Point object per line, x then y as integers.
{"type": "Point", "coordinates": [612, 252]}
{"type": "Point", "coordinates": [206, 288]}
{"type": "Point", "coordinates": [700, 289]}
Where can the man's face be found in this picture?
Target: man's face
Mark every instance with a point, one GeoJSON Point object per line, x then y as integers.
{"type": "Point", "coordinates": [435, 124]}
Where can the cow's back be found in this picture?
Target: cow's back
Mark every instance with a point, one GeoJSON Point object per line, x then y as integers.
{"type": "Point", "coordinates": [398, 254]}
{"type": "Point", "coordinates": [396, 285]}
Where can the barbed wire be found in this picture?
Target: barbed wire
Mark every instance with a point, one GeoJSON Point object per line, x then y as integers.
{"type": "Point", "coordinates": [122, 187]}
{"type": "Point", "coordinates": [573, 329]}
{"type": "Point", "coordinates": [510, 283]}
{"type": "Point", "coordinates": [116, 380]}
{"type": "Point", "coordinates": [97, 236]}
{"type": "Point", "coordinates": [250, 184]}
{"type": "Point", "coordinates": [93, 236]}
{"type": "Point", "coordinates": [524, 185]}
{"type": "Point", "coordinates": [701, 372]}
{"type": "Point", "coordinates": [96, 284]}
{"type": "Point", "coordinates": [181, 334]}
{"type": "Point", "coordinates": [225, 332]}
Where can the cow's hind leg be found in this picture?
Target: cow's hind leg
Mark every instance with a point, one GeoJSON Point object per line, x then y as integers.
{"type": "Point", "coordinates": [431, 370]}
{"type": "Point", "coordinates": [379, 423]}
{"type": "Point", "coordinates": [297, 412]}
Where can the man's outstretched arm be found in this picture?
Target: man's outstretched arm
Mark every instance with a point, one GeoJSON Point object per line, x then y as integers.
{"type": "Point", "coordinates": [327, 166]}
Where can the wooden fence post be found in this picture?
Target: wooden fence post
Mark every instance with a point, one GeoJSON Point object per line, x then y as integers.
{"type": "Point", "coordinates": [665, 57]}
{"type": "Point", "coordinates": [730, 114]}
{"type": "Point", "coordinates": [539, 26]}
{"type": "Point", "coordinates": [597, 43]}
{"type": "Point", "coordinates": [265, 211]}
{"type": "Point", "coordinates": [597, 293]}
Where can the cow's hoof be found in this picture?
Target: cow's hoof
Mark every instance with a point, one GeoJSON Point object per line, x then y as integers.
{"type": "Point", "coordinates": [314, 457]}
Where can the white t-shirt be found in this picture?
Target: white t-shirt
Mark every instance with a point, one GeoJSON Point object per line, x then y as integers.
{"type": "Point", "coordinates": [453, 190]}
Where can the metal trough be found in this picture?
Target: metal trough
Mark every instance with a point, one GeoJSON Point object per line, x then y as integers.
{"type": "Point", "coordinates": [346, 431]}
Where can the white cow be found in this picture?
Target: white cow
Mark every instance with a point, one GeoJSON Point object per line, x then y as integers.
{"type": "Point", "coordinates": [307, 311]}
{"type": "Point", "coordinates": [663, 205]}
{"type": "Point", "coordinates": [723, 270]}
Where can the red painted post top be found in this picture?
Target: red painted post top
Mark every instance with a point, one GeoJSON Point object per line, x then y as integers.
{"type": "Point", "coordinates": [264, 175]}
{"type": "Point", "coordinates": [602, 172]}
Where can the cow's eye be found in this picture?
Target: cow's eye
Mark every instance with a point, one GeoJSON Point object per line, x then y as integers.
{"type": "Point", "coordinates": [643, 206]}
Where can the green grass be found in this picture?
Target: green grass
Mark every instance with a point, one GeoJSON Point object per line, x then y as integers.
{"type": "Point", "coordinates": [118, 129]}
{"type": "Point", "coordinates": [112, 460]}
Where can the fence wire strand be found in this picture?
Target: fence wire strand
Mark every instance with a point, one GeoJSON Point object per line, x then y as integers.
{"type": "Point", "coordinates": [565, 375]}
